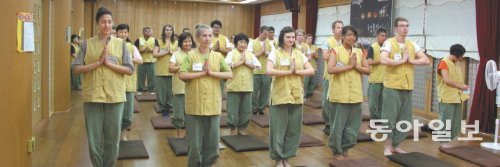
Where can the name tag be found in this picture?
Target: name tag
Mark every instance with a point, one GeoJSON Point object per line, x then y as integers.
{"type": "Point", "coordinates": [141, 42]}
{"type": "Point", "coordinates": [285, 62]}
{"type": "Point", "coordinates": [197, 66]}
{"type": "Point", "coordinates": [163, 51]}
{"type": "Point", "coordinates": [112, 59]}
{"type": "Point", "coordinates": [397, 57]}
{"type": "Point", "coordinates": [339, 64]}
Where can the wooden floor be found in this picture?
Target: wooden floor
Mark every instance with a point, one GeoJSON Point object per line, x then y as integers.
{"type": "Point", "coordinates": [62, 142]}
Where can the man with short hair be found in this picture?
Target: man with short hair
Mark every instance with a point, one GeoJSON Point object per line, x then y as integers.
{"type": "Point", "coordinates": [261, 48]}
{"type": "Point", "coordinates": [399, 55]}
{"type": "Point", "coordinates": [146, 71]}
{"type": "Point", "coordinates": [376, 78]}
{"type": "Point", "coordinates": [452, 92]}
{"type": "Point", "coordinates": [328, 45]}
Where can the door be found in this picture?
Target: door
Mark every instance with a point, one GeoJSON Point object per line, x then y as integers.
{"type": "Point", "coordinates": [424, 90]}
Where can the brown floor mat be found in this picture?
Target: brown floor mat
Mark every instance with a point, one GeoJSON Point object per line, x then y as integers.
{"type": "Point", "coordinates": [314, 104]}
{"type": "Point", "coordinates": [310, 141]}
{"type": "Point", "coordinates": [261, 120]}
{"type": "Point", "coordinates": [474, 155]}
{"type": "Point", "coordinates": [145, 97]}
{"type": "Point", "coordinates": [363, 162]}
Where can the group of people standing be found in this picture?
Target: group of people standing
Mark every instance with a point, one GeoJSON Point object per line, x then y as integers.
{"type": "Point", "coordinates": [190, 75]}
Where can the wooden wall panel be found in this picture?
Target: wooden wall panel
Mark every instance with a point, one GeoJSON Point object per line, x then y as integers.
{"type": "Point", "coordinates": [15, 78]}
{"type": "Point", "coordinates": [138, 14]}
{"type": "Point", "coordinates": [273, 7]}
{"type": "Point", "coordinates": [302, 15]}
{"type": "Point", "coordinates": [62, 87]}
{"type": "Point", "coordinates": [77, 8]}
{"type": "Point", "coordinates": [88, 20]}
{"type": "Point", "coordinates": [328, 3]}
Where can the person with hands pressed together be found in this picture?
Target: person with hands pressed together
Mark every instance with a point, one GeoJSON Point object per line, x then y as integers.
{"type": "Point", "coordinates": [287, 66]}
{"type": "Point", "coordinates": [104, 60]}
{"type": "Point", "coordinates": [346, 64]}
{"type": "Point", "coordinates": [163, 53]}
{"type": "Point", "coordinates": [186, 42]}
{"type": "Point", "coordinates": [122, 31]}
{"type": "Point", "coordinates": [239, 88]}
{"type": "Point", "coordinates": [399, 55]}
{"type": "Point", "coordinates": [146, 71]}
{"type": "Point", "coordinates": [261, 47]}
{"type": "Point", "coordinates": [376, 78]}
{"type": "Point", "coordinates": [202, 71]}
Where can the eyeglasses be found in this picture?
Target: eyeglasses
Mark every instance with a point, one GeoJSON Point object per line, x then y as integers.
{"type": "Point", "coordinates": [404, 26]}
{"type": "Point", "coordinates": [218, 27]}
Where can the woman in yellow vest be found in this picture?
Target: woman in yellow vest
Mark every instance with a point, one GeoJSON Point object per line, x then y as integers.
{"type": "Point", "coordinates": [287, 66]}
{"type": "Point", "coordinates": [239, 89]}
{"type": "Point", "coordinates": [131, 81]}
{"type": "Point", "coordinates": [202, 71]}
{"type": "Point", "coordinates": [310, 82]}
{"type": "Point", "coordinates": [163, 53]}
{"type": "Point", "coordinates": [452, 92]}
{"type": "Point", "coordinates": [75, 48]}
{"type": "Point", "coordinates": [104, 61]}
{"type": "Point", "coordinates": [186, 42]}
{"type": "Point", "coordinates": [346, 63]}
{"type": "Point", "coordinates": [376, 78]}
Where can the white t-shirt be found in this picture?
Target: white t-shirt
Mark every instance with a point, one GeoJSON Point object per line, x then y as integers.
{"type": "Point", "coordinates": [387, 46]}
{"type": "Point", "coordinates": [255, 61]}
{"type": "Point", "coordinates": [326, 46]}
{"type": "Point", "coordinates": [228, 44]}
{"type": "Point", "coordinates": [136, 53]}
{"type": "Point", "coordinates": [272, 57]}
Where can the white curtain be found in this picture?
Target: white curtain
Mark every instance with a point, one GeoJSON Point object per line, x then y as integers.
{"type": "Point", "coordinates": [328, 15]}
{"type": "Point", "coordinates": [278, 21]}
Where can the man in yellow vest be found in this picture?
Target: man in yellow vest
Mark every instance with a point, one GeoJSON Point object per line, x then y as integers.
{"type": "Point", "coordinates": [261, 48]}
{"type": "Point", "coordinates": [270, 38]}
{"type": "Point", "coordinates": [146, 71]}
{"type": "Point", "coordinates": [452, 92]}
{"type": "Point", "coordinates": [331, 42]}
{"type": "Point", "coordinates": [376, 78]}
{"type": "Point", "coordinates": [220, 43]}
{"type": "Point", "coordinates": [399, 55]}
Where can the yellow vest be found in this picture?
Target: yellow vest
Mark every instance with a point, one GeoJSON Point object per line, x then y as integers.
{"type": "Point", "coordinates": [314, 49]}
{"type": "Point", "coordinates": [288, 89]}
{"type": "Point", "coordinates": [242, 80]}
{"type": "Point", "coordinates": [178, 85]}
{"type": "Point", "coordinates": [257, 47]}
{"type": "Point", "coordinates": [400, 77]}
{"type": "Point", "coordinates": [377, 72]}
{"type": "Point", "coordinates": [274, 42]}
{"type": "Point", "coordinates": [150, 43]}
{"type": "Point", "coordinates": [163, 62]}
{"type": "Point", "coordinates": [203, 95]}
{"type": "Point", "coordinates": [131, 85]}
{"type": "Point", "coordinates": [346, 86]}
{"type": "Point", "coordinates": [222, 41]}
{"type": "Point", "coordinates": [77, 50]}
{"type": "Point", "coordinates": [103, 85]}
{"type": "Point", "coordinates": [332, 43]}
{"type": "Point", "coordinates": [446, 93]}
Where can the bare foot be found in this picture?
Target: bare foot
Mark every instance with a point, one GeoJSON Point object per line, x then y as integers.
{"type": "Point", "coordinates": [234, 131]}
{"type": "Point", "coordinates": [346, 156]}
{"type": "Point", "coordinates": [180, 133]}
{"type": "Point", "coordinates": [279, 163]}
{"type": "Point", "coordinates": [124, 135]}
{"type": "Point", "coordinates": [446, 145]}
{"type": "Point", "coordinates": [399, 150]}
{"type": "Point", "coordinates": [388, 151]}
{"type": "Point", "coordinates": [242, 132]}
{"type": "Point", "coordinates": [286, 164]}
{"type": "Point", "coordinates": [339, 157]}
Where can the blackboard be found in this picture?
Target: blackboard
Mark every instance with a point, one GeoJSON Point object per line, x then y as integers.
{"type": "Point", "coordinates": [367, 16]}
